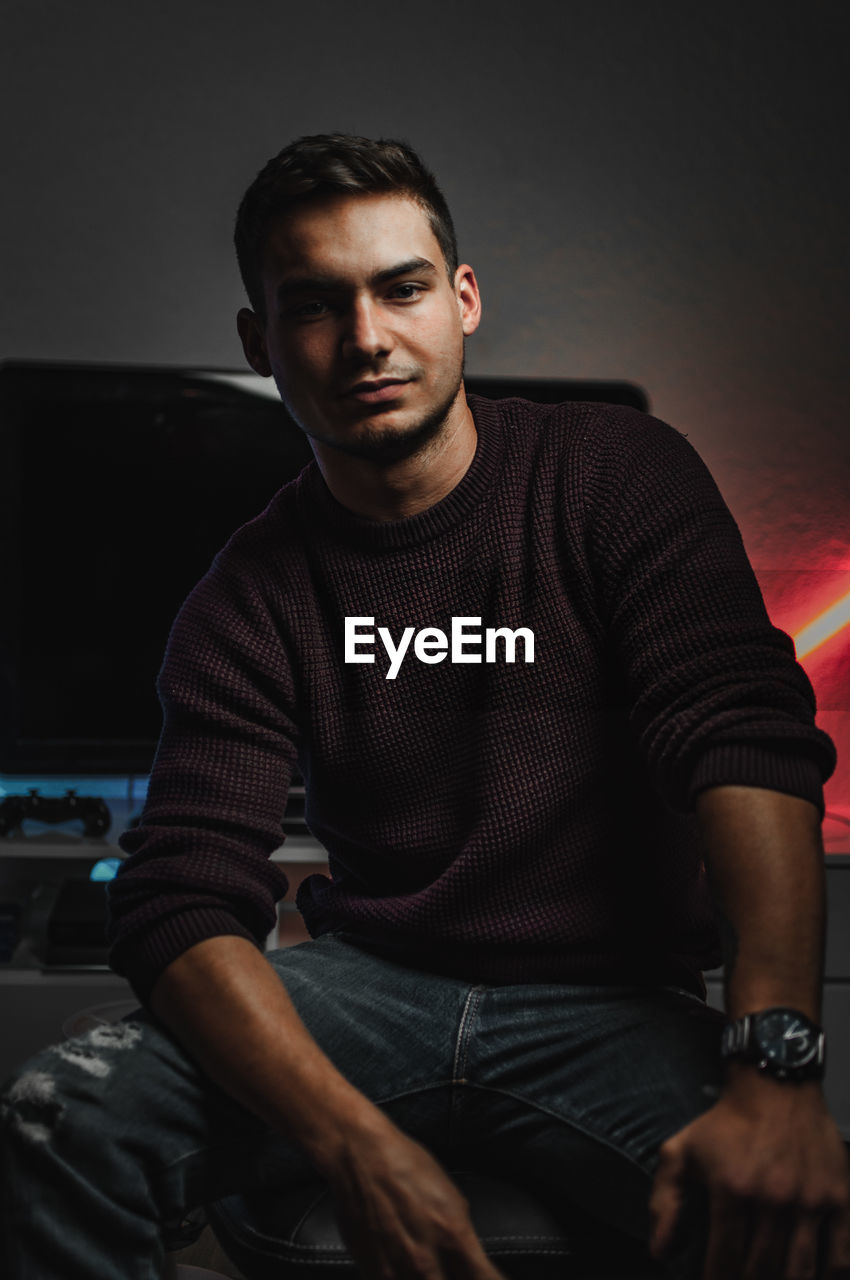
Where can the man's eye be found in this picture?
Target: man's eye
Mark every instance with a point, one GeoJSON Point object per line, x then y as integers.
{"type": "Point", "coordinates": [308, 309]}
{"type": "Point", "coordinates": [316, 307]}
{"type": "Point", "coordinates": [417, 289]}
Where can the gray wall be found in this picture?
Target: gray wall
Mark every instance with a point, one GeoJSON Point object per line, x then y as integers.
{"type": "Point", "coordinates": [650, 190]}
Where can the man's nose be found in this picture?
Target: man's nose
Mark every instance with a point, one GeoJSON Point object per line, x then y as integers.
{"type": "Point", "coordinates": [366, 331]}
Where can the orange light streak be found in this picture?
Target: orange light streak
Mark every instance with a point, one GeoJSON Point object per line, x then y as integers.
{"type": "Point", "coordinates": [823, 627]}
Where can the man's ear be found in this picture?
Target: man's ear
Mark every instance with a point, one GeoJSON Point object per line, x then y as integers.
{"type": "Point", "coordinates": [468, 299]}
{"type": "Point", "coordinates": [253, 342]}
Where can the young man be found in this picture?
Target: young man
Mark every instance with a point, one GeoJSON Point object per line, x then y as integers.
{"type": "Point", "coordinates": [522, 662]}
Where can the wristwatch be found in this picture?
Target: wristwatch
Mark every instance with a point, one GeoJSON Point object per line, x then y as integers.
{"type": "Point", "coordinates": [782, 1042]}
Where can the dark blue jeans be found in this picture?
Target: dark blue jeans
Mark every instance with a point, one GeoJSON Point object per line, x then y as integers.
{"type": "Point", "coordinates": [112, 1136]}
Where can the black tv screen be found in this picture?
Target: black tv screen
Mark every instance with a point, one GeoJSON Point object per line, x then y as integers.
{"type": "Point", "coordinates": [120, 484]}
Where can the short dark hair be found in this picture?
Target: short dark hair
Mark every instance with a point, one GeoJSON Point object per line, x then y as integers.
{"type": "Point", "coordinates": [325, 164]}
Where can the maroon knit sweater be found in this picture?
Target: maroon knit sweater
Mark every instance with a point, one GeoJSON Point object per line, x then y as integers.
{"type": "Point", "coordinates": [500, 821]}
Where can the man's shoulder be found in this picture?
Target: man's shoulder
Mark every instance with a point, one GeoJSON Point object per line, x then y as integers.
{"type": "Point", "coordinates": [591, 432]}
{"type": "Point", "coordinates": [606, 418]}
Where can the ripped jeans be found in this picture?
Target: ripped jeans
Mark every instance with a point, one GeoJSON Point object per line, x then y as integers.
{"type": "Point", "coordinates": [110, 1139]}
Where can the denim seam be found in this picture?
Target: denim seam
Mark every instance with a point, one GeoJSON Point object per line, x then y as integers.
{"type": "Point", "coordinates": [471, 1003]}
{"type": "Point", "coordinates": [242, 1230]}
{"type": "Point", "coordinates": [557, 1115]}
{"type": "Point", "coordinates": [461, 1056]}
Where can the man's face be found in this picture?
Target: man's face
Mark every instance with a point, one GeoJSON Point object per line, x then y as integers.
{"type": "Point", "coordinates": [364, 331]}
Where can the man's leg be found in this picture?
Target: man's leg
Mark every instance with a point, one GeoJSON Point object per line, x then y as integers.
{"type": "Point", "coordinates": [112, 1134]}
{"type": "Point", "coordinates": [574, 1088]}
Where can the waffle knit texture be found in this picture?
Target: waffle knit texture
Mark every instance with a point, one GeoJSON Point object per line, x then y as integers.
{"type": "Point", "coordinates": [498, 821]}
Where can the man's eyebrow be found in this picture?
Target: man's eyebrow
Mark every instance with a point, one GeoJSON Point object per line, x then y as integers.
{"type": "Point", "coordinates": [306, 284]}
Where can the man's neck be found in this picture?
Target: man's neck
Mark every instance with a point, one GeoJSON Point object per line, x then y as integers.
{"type": "Point", "coordinates": [394, 491]}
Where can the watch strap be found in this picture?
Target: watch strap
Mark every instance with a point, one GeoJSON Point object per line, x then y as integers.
{"type": "Point", "coordinates": [736, 1040]}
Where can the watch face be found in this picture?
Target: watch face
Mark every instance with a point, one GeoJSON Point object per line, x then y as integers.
{"type": "Point", "coordinates": [785, 1038]}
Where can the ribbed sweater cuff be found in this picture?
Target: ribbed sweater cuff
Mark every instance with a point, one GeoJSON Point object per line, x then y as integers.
{"type": "Point", "coordinates": [141, 959]}
{"type": "Point", "coordinates": [745, 765]}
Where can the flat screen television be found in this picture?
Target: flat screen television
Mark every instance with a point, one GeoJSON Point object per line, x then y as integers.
{"type": "Point", "coordinates": [120, 484]}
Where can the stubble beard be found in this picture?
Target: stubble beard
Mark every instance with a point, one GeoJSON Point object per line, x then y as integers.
{"type": "Point", "coordinates": [385, 445]}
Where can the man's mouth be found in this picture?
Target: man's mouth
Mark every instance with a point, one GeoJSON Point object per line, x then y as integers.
{"type": "Point", "coordinates": [375, 390]}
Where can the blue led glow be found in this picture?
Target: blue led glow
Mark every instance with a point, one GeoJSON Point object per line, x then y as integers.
{"type": "Point", "coordinates": [105, 869]}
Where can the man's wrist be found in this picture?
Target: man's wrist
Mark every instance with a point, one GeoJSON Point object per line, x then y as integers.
{"type": "Point", "coordinates": [779, 1041]}
{"type": "Point", "coordinates": [751, 1091]}
{"type": "Point", "coordinates": [349, 1123]}
{"type": "Point", "coordinates": [745, 1077]}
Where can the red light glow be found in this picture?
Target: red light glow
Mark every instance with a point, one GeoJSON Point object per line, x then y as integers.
{"type": "Point", "coordinates": [823, 627]}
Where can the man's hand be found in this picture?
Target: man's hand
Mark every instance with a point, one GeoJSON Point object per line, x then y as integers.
{"type": "Point", "coordinates": [767, 1160]}
{"type": "Point", "coordinates": [775, 1176]}
{"type": "Point", "coordinates": [400, 1214]}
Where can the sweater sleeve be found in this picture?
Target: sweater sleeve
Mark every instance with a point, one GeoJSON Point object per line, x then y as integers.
{"type": "Point", "coordinates": [715, 693]}
{"type": "Point", "coordinates": [199, 863]}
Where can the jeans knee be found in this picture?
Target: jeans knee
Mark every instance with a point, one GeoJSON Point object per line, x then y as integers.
{"type": "Point", "coordinates": [34, 1099]}
{"type": "Point", "coordinates": [96, 1052]}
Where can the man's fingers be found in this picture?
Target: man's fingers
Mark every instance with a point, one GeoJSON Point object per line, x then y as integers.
{"type": "Point", "coordinates": [466, 1259]}
{"type": "Point", "coordinates": [766, 1254]}
{"type": "Point", "coordinates": [838, 1248]}
{"type": "Point", "coordinates": [665, 1201]}
{"type": "Point", "coordinates": [388, 1244]}
{"type": "Point", "coordinates": [804, 1246]}
{"type": "Point", "coordinates": [729, 1228]}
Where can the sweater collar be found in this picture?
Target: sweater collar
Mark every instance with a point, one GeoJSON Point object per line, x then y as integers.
{"type": "Point", "coordinates": [319, 507]}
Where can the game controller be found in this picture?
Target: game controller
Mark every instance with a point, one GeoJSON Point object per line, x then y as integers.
{"type": "Point", "coordinates": [91, 810]}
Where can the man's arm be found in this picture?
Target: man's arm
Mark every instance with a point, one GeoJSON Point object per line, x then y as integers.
{"type": "Point", "coordinates": [401, 1215]}
{"type": "Point", "coordinates": [765, 863]}
{"type": "Point", "coordinates": [768, 1153]}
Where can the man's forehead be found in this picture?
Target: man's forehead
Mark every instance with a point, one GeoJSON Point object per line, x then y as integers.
{"type": "Point", "coordinates": [349, 235]}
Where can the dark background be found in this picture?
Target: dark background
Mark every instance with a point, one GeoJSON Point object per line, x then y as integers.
{"type": "Point", "coordinates": [652, 191]}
